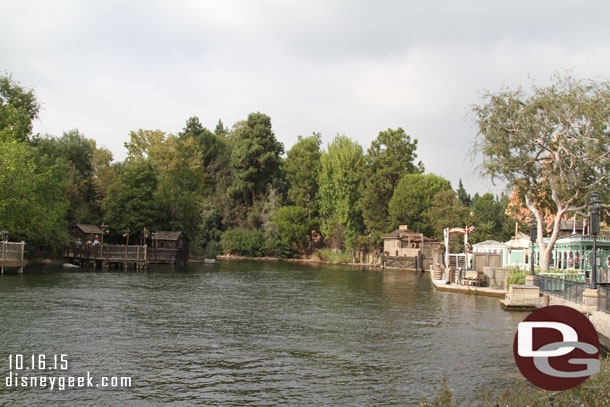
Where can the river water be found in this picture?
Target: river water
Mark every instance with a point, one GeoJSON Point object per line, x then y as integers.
{"type": "Point", "coordinates": [250, 333]}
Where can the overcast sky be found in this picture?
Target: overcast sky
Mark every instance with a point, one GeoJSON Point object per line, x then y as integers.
{"type": "Point", "coordinates": [349, 67]}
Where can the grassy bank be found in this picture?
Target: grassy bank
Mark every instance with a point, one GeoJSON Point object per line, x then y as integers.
{"type": "Point", "coordinates": [594, 392]}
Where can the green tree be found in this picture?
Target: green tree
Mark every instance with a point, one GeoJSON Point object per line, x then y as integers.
{"type": "Point", "coordinates": [302, 167]}
{"type": "Point", "coordinates": [489, 219]}
{"type": "Point", "coordinates": [130, 201]}
{"type": "Point", "coordinates": [18, 109]}
{"type": "Point", "coordinates": [73, 153]}
{"type": "Point", "coordinates": [412, 197]}
{"type": "Point", "coordinates": [445, 211]}
{"type": "Point", "coordinates": [32, 203]}
{"type": "Point", "coordinates": [463, 196]}
{"type": "Point", "coordinates": [390, 156]}
{"type": "Point", "coordinates": [292, 225]}
{"type": "Point", "coordinates": [552, 144]}
{"type": "Point", "coordinates": [255, 158]}
{"type": "Point", "coordinates": [340, 177]}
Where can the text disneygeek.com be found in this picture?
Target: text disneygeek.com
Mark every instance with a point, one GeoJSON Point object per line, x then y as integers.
{"type": "Point", "coordinates": [34, 371]}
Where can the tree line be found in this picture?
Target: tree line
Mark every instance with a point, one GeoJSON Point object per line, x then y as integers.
{"type": "Point", "coordinates": [236, 190]}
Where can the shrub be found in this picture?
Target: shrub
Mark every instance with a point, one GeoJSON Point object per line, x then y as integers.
{"type": "Point", "coordinates": [517, 277]}
{"type": "Point", "coordinates": [276, 248]}
{"type": "Point", "coordinates": [243, 242]}
{"type": "Point", "coordinates": [212, 249]}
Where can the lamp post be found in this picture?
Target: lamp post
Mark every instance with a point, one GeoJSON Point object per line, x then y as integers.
{"type": "Point", "coordinates": [533, 230]}
{"type": "Point", "coordinates": [594, 205]}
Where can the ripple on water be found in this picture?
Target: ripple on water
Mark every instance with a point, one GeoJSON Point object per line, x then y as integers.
{"type": "Point", "coordinates": [249, 333]}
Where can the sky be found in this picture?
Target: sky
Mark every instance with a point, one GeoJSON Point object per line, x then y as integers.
{"type": "Point", "coordinates": [335, 67]}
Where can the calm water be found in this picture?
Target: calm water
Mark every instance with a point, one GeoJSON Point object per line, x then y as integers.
{"type": "Point", "coordinates": [250, 333]}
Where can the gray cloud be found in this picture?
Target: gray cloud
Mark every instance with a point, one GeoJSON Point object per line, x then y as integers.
{"type": "Point", "coordinates": [350, 67]}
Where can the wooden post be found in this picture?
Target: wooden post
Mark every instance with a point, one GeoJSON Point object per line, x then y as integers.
{"type": "Point", "coordinates": [2, 259]}
{"type": "Point", "coordinates": [21, 264]}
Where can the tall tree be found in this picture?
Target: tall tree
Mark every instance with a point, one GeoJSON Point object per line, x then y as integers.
{"type": "Point", "coordinates": [32, 203]}
{"type": "Point", "coordinates": [412, 197]}
{"type": "Point", "coordinates": [552, 144]}
{"type": "Point", "coordinates": [18, 109]}
{"type": "Point", "coordinates": [340, 177]}
{"type": "Point", "coordinates": [445, 211]}
{"type": "Point", "coordinates": [73, 153]}
{"type": "Point", "coordinates": [130, 201]}
{"type": "Point", "coordinates": [255, 158]}
{"type": "Point", "coordinates": [490, 219]}
{"type": "Point", "coordinates": [463, 196]}
{"type": "Point", "coordinates": [390, 156]}
{"type": "Point", "coordinates": [302, 167]}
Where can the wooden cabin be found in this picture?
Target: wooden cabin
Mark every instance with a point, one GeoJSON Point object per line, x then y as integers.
{"type": "Point", "coordinates": [169, 247]}
{"type": "Point", "coordinates": [408, 244]}
{"type": "Point", "coordinates": [85, 232]}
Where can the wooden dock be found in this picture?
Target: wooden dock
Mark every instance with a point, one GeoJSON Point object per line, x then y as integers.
{"type": "Point", "coordinates": [119, 256]}
{"type": "Point", "coordinates": [11, 255]}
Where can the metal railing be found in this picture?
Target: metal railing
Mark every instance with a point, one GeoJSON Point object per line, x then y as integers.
{"type": "Point", "coordinates": [562, 288]}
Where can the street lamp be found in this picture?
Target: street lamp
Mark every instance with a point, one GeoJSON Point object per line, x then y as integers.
{"type": "Point", "coordinates": [594, 205]}
{"type": "Point", "coordinates": [533, 230]}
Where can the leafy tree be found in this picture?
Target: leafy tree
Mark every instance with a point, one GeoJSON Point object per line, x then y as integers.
{"type": "Point", "coordinates": [490, 219]}
{"type": "Point", "coordinates": [340, 177]}
{"type": "Point", "coordinates": [18, 109]}
{"type": "Point", "coordinates": [463, 196]}
{"type": "Point", "coordinates": [446, 210]}
{"type": "Point", "coordinates": [412, 197]}
{"type": "Point", "coordinates": [210, 144]}
{"type": "Point", "coordinates": [255, 158]}
{"type": "Point", "coordinates": [142, 142]}
{"type": "Point", "coordinates": [292, 225]}
{"type": "Point", "coordinates": [73, 153]}
{"type": "Point", "coordinates": [32, 203]}
{"type": "Point", "coordinates": [130, 201]}
{"type": "Point", "coordinates": [390, 156]}
{"type": "Point", "coordinates": [551, 146]}
{"type": "Point", "coordinates": [302, 167]}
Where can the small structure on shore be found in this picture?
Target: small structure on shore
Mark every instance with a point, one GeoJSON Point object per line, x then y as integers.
{"type": "Point", "coordinates": [11, 253]}
{"type": "Point", "coordinates": [407, 249]}
{"type": "Point", "coordinates": [85, 231]}
{"type": "Point", "coordinates": [169, 248]}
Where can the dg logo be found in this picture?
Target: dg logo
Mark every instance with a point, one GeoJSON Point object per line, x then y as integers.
{"type": "Point", "coordinates": [556, 348]}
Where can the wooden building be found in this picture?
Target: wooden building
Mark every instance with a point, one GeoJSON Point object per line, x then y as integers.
{"type": "Point", "coordinates": [403, 243]}
{"type": "Point", "coordinates": [169, 248]}
{"type": "Point", "coordinates": [85, 232]}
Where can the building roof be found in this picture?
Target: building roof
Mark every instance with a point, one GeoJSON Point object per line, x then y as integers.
{"type": "Point", "coordinates": [568, 225]}
{"type": "Point", "coordinates": [167, 235]}
{"type": "Point", "coordinates": [490, 243]}
{"type": "Point", "coordinates": [85, 228]}
{"type": "Point", "coordinates": [521, 242]}
{"type": "Point", "coordinates": [404, 234]}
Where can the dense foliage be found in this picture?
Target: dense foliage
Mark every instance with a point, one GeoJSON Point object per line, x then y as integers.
{"type": "Point", "coordinates": [228, 190]}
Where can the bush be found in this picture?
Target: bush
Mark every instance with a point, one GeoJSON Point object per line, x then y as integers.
{"type": "Point", "coordinates": [212, 250]}
{"type": "Point", "coordinates": [243, 242]}
{"type": "Point", "coordinates": [592, 392]}
{"type": "Point", "coordinates": [517, 277]}
{"type": "Point", "coordinates": [275, 248]}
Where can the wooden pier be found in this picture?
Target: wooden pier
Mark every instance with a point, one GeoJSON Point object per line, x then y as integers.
{"type": "Point", "coordinates": [11, 255]}
{"type": "Point", "coordinates": [119, 256]}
